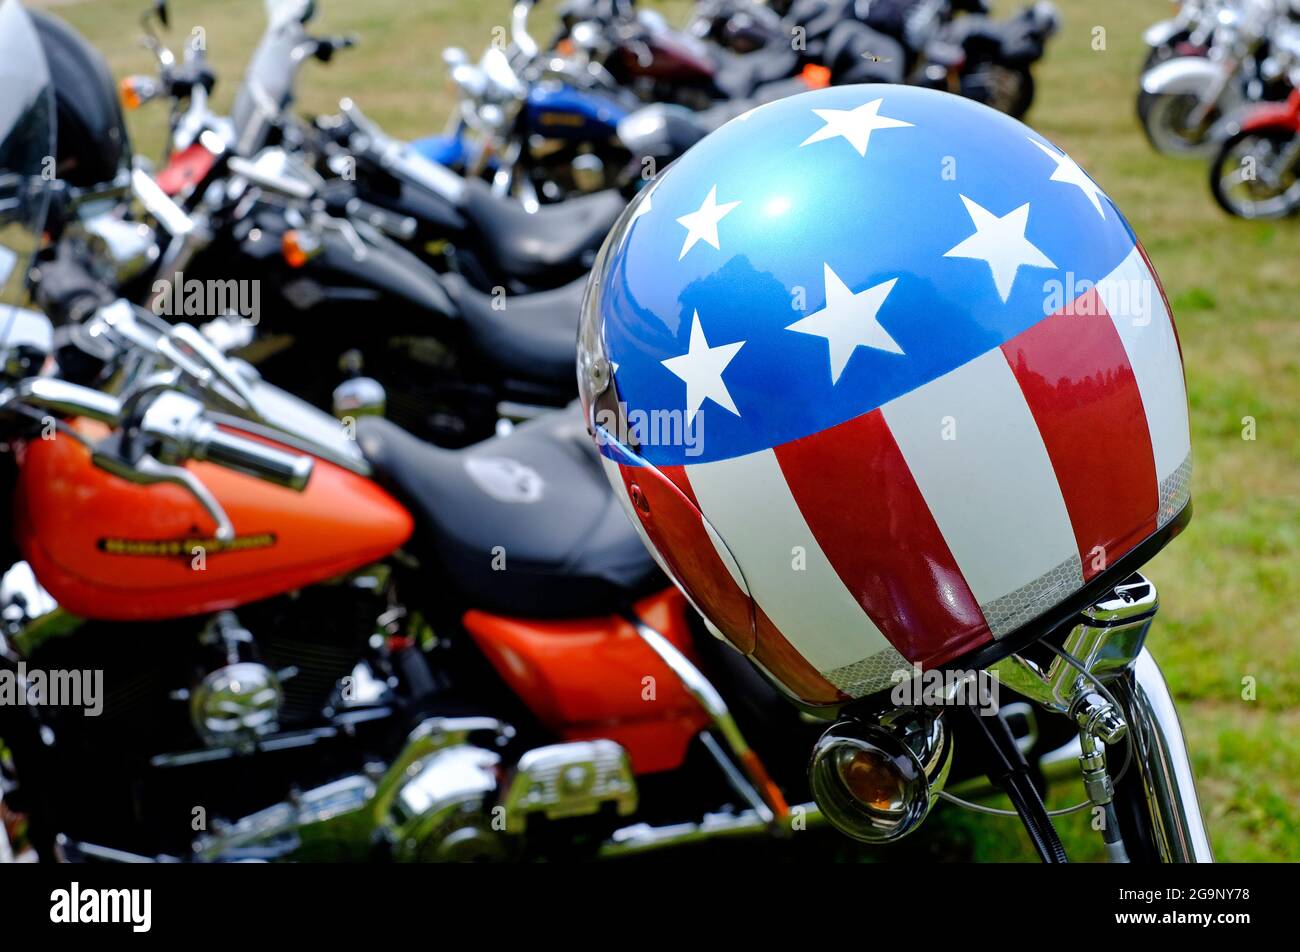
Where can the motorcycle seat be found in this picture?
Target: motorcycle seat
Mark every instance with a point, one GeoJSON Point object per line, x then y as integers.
{"type": "Point", "coordinates": [563, 237]}
{"type": "Point", "coordinates": [523, 524]}
{"type": "Point", "coordinates": [740, 74]}
{"type": "Point", "coordinates": [529, 336]}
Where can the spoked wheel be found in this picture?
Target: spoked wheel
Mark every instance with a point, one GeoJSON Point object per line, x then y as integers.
{"type": "Point", "coordinates": [1166, 118]}
{"type": "Point", "coordinates": [1006, 88]}
{"type": "Point", "coordinates": [1256, 175]}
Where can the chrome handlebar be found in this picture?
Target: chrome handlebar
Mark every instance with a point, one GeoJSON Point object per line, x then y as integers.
{"type": "Point", "coordinates": [175, 427]}
{"type": "Point", "coordinates": [158, 425]}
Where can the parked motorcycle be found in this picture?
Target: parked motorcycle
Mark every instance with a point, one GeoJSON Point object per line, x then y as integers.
{"type": "Point", "coordinates": [697, 66]}
{"type": "Point", "coordinates": [453, 224]}
{"type": "Point", "coordinates": [478, 661]}
{"type": "Point", "coordinates": [1256, 173]}
{"type": "Point", "coordinates": [1186, 101]}
{"type": "Point", "coordinates": [455, 351]}
{"type": "Point", "coordinates": [546, 123]}
{"type": "Point", "coordinates": [1189, 32]}
{"type": "Point", "coordinates": [314, 647]}
{"type": "Point", "coordinates": [296, 663]}
{"type": "Point", "coordinates": [324, 640]}
{"type": "Point", "coordinates": [997, 57]}
{"type": "Point", "coordinates": [955, 46]}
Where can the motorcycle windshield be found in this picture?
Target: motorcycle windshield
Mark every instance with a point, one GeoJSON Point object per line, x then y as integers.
{"type": "Point", "coordinates": [26, 153]}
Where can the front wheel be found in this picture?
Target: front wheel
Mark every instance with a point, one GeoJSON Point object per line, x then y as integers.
{"type": "Point", "coordinates": [1166, 119]}
{"type": "Point", "coordinates": [1256, 173]}
{"type": "Point", "coordinates": [1008, 89]}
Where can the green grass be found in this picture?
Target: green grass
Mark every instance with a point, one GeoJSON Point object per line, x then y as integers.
{"type": "Point", "coordinates": [1229, 585]}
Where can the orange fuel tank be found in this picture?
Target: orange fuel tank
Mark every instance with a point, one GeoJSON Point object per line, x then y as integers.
{"type": "Point", "coordinates": [107, 548]}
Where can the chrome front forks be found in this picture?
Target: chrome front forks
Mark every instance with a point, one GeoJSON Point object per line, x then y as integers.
{"type": "Point", "coordinates": [1173, 810]}
{"type": "Point", "coordinates": [1104, 679]}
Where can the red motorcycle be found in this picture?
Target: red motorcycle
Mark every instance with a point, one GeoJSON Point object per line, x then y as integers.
{"type": "Point", "coordinates": [1256, 173]}
{"type": "Point", "coordinates": [475, 659]}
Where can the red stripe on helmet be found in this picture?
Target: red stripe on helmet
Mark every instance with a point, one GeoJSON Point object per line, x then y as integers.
{"type": "Point", "coordinates": [1082, 392]}
{"type": "Point", "coordinates": [674, 524]}
{"type": "Point", "coordinates": [858, 496]}
{"type": "Point", "coordinates": [784, 662]}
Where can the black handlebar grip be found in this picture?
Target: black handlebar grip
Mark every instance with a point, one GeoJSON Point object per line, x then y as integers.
{"type": "Point", "coordinates": [291, 470]}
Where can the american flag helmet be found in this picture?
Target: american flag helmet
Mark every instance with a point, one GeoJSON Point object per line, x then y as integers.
{"type": "Point", "coordinates": [884, 379]}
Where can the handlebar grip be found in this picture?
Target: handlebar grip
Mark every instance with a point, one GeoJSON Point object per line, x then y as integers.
{"type": "Point", "coordinates": [291, 470]}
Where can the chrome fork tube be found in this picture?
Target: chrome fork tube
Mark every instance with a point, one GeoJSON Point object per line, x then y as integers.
{"type": "Point", "coordinates": [754, 784]}
{"type": "Point", "coordinates": [1160, 754]}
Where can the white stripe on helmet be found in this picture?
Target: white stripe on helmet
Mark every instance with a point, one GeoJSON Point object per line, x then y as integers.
{"type": "Point", "coordinates": [750, 505]}
{"type": "Point", "coordinates": [977, 456]}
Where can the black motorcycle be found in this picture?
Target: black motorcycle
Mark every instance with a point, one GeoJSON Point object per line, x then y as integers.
{"type": "Point", "coordinates": [952, 45]}
{"type": "Point", "coordinates": [305, 265]}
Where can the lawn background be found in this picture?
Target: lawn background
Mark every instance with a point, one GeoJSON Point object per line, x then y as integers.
{"type": "Point", "coordinates": [1229, 585]}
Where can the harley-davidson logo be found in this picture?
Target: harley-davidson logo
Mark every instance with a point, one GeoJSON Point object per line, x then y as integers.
{"type": "Point", "coordinates": [562, 119]}
{"type": "Point", "coordinates": [185, 548]}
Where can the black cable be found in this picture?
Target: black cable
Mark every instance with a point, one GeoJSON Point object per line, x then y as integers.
{"type": "Point", "coordinates": [1024, 795]}
{"type": "Point", "coordinates": [1008, 770]}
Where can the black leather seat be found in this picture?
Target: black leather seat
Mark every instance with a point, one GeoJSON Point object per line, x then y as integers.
{"type": "Point", "coordinates": [740, 75]}
{"type": "Point", "coordinates": [524, 524]}
{"type": "Point", "coordinates": [533, 337]}
{"type": "Point", "coordinates": [563, 237]}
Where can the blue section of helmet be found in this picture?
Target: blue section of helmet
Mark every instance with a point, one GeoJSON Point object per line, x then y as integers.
{"type": "Point", "coordinates": [891, 214]}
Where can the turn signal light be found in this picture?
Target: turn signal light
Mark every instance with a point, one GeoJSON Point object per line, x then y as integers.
{"type": "Point", "coordinates": [816, 76]}
{"type": "Point", "coordinates": [298, 247]}
{"type": "Point", "coordinates": [134, 91]}
{"type": "Point", "coordinates": [876, 781]}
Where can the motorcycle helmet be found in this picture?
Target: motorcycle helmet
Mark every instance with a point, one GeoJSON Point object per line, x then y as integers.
{"type": "Point", "coordinates": [884, 379]}
{"type": "Point", "coordinates": [93, 145]}
{"type": "Point", "coordinates": [26, 144]}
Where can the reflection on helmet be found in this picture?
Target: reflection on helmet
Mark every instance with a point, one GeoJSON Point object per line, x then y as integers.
{"type": "Point", "coordinates": [885, 379]}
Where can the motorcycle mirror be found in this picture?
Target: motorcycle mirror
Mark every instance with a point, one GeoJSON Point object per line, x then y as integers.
{"type": "Point", "coordinates": [160, 12]}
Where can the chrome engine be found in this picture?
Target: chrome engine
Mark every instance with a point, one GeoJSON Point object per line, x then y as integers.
{"type": "Point", "coordinates": [449, 796]}
{"type": "Point", "coordinates": [240, 699]}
